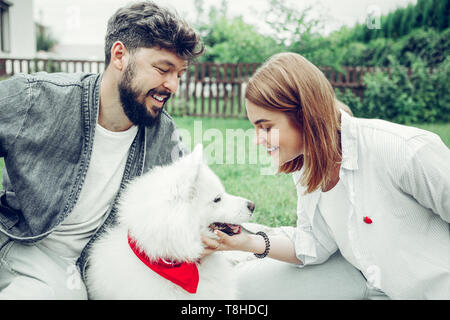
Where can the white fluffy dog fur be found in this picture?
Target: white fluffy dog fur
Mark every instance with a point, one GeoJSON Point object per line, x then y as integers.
{"type": "Point", "coordinates": [166, 210]}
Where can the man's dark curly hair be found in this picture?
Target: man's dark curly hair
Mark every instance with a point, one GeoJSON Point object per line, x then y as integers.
{"type": "Point", "coordinates": [146, 25]}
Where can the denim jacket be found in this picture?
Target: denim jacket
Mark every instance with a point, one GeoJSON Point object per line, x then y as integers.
{"type": "Point", "coordinates": [47, 125]}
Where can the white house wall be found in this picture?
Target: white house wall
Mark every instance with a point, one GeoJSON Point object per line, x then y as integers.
{"type": "Point", "coordinates": [22, 30]}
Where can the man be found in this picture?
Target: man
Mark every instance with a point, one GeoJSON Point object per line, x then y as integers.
{"type": "Point", "coordinates": [71, 142]}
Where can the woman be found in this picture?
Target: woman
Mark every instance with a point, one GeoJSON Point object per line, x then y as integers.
{"type": "Point", "coordinates": [373, 197]}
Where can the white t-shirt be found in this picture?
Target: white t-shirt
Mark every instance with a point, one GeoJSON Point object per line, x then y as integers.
{"type": "Point", "coordinates": [334, 207]}
{"type": "Point", "coordinates": [106, 167]}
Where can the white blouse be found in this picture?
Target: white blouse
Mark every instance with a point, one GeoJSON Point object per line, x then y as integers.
{"type": "Point", "coordinates": [398, 178]}
{"type": "Point", "coordinates": [334, 206]}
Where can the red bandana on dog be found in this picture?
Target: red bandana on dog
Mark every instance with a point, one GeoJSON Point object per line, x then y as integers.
{"type": "Point", "coordinates": [183, 274]}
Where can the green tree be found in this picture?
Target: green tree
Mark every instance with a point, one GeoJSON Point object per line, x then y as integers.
{"type": "Point", "coordinates": [445, 16]}
{"type": "Point", "coordinates": [292, 27]}
{"type": "Point", "coordinates": [389, 25]}
{"type": "Point", "coordinates": [296, 30]}
{"type": "Point", "coordinates": [396, 22]}
{"type": "Point", "coordinates": [427, 14]}
{"type": "Point", "coordinates": [440, 14]}
{"type": "Point", "coordinates": [199, 9]}
{"type": "Point", "coordinates": [407, 20]}
{"type": "Point", "coordinates": [420, 43]}
{"type": "Point", "coordinates": [44, 39]}
{"type": "Point", "coordinates": [418, 14]}
{"type": "Point", "coordinates": [232, 40]}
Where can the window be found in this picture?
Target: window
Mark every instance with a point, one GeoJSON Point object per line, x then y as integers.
{"type": "Point", "coordinates": [4, 26]}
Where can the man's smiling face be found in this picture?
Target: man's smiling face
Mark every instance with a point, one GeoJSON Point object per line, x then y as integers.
{"type": "Point", "coordinates": [148, 81]}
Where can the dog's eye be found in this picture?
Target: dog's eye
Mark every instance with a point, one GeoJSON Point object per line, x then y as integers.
{"type": "Point", "coordinates": [217, 199]}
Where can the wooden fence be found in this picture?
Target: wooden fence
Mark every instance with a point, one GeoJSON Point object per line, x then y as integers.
{"type": "Point", "coordinates": [206, 89]}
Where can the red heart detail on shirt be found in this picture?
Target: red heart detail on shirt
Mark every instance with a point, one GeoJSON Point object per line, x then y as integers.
{"type": "Point", "coordinates": [367, 220]}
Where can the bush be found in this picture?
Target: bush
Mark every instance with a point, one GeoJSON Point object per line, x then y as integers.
{"type": "Point", "coordinates": [390, 97]}
{"type": "Point", "coordinates": [403, 99]}
{"type": "Point", "coordinates": [441, 89]}
{"type": "Point", "coordinates": [352, 101]}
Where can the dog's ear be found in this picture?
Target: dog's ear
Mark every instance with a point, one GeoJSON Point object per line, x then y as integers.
{"type": "Point", "coordinates": [197, 158]}
{"type": "Point", "coordinates": [197, 154]}
{"type": "Point", "coordinates": [189, 169]}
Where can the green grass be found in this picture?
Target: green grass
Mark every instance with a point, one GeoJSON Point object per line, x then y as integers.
{"type": "Point", "coordinates": [441, 129]}
{"type": "Point", "coordinates": [275, 196]}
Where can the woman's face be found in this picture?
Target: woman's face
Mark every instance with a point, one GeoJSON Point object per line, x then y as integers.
{"type": "Point", "coordinates": [283, 140]}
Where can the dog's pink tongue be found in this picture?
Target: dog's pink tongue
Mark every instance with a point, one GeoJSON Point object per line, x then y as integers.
{"type": "Point", "coordinates": [228, 228]}
{"type": "Point", "coordinates": [235, 227]}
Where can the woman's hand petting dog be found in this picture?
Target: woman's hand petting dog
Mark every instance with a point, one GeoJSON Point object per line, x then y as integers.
{"type": "Point", "coordinates": [224, 242]}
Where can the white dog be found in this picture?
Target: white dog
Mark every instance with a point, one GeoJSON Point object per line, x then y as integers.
{"type": "Point", "coordinates": [154, 250]}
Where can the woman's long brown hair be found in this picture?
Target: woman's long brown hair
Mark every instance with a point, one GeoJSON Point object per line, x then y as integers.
{"type": "Point", "coordinates": [289, 83]}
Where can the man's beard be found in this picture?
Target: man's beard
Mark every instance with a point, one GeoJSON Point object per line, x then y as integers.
{"type": "Point", "coordinates": [136, 111]}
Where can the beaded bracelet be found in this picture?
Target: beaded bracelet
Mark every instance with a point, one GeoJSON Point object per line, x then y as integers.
{"type": "Point", "coordinates": [266, 240]}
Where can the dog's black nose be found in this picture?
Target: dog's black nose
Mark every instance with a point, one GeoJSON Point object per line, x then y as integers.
{"type": "Point", "coordinates": [251, 206]}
